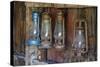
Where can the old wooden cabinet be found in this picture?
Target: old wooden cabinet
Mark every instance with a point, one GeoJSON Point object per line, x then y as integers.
{"type": "Point", "coordinates": [21, 25]}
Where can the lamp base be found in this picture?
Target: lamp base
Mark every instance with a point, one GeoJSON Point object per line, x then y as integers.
{"type": "Point", "coordinates": [45, 44]}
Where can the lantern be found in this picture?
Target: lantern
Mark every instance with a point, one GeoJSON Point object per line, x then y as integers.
{"type": "Point", "coordinates": [46, 34]}
{"type": "Point", "coordinates": [59, 31]}
{"type": "Point", "coordinates": [80, 43]}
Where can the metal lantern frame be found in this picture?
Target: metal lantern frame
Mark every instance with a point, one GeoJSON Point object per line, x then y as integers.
{"type": "Point", "coordinates": [86, 34]}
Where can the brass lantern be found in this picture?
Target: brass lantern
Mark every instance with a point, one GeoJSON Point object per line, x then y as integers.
{"type": "Point", "coordinates": [46, 34]}
{"type": "Point", "coordinates": [59, 31]}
